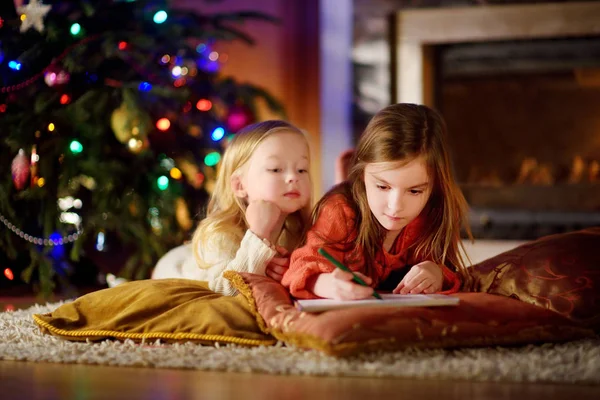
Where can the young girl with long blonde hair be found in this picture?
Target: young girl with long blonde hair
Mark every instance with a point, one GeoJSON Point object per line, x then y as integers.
{"type": "Point", "coordinates": [396, 220]}
{"type": "Point", "coordinates": [258, 211]}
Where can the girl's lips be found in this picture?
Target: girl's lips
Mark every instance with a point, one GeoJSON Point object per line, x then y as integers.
{"type": "Point", "coordinates": [292, 194]}
{"type": "Point", "coordinates": [394, 218]}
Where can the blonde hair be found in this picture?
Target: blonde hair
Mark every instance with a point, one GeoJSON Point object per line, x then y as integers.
{"type": "Point", "coordinates": [225, 220]}
{"type": "Point", "coordinates": [400, 133]}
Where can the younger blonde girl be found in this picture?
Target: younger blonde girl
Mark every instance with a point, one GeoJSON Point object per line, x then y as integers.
{"type": "Point", "coordinates": [257, 213]}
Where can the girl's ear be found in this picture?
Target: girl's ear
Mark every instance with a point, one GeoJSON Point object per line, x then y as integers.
{"type": "Point", "coordinates": [238, 187]}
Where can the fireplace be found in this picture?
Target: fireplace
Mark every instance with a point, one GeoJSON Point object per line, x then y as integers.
{"type": "Point", "coordinates": [519, 87]}
{"type": "Point", "coordinates": [525, 123]}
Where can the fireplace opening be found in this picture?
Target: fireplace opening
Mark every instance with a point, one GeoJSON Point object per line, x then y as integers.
{"type": "Point", "coordinates": [524, 120]}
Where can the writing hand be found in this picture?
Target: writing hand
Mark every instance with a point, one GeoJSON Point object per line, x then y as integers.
{"type": "Point", "coordinates": [338, 285]}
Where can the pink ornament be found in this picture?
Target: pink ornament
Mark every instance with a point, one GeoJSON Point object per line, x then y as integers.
{"type": "Point", "coordinates": [238, 117]}
{"type": "Point", "coordinates": [20, 170]}
{"type": "Point", "coordinates": [56, 76]}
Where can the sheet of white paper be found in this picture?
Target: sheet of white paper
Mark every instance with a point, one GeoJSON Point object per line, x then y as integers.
{"type": "Point", "coordinates": [389, 300]}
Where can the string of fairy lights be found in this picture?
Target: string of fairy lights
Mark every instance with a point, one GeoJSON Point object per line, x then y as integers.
{"type": "Point", "coordinates": [24, 167]}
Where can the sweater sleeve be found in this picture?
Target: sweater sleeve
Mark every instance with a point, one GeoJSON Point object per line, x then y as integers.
{"type": "Point", "coordinates": [334, 224]}
{"type": "Point", "coordinates": [252, 256]}
{"type": "Point", "coordinates": [451, 282]}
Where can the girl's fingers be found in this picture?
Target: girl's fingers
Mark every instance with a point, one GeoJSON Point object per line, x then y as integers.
{"type": "Point", "coordinates": [284, 262]}
{"type": "Point", "coordinates": [398, 288]}
{"type": "Point", "coordinates": [273, 275]}
{"type": "Point", "coordinates": [341, 275]}
{"type": "Point", "coordinates": [408, 278]}
{"type": "Point", "coordinates": [416, 277]}
{"type": "Point", "coordinates": [429, 290]}
{"type": "Point", "coordinates": [365, 278]}
{"type": "Point", "coordinates": [354, 291]}
{"type": "Point", "coordinates": [347, 289]}
{"type": "Point", "coordinates": [412, 284]}
{"type": "Point", "coordinates": [278, 269]}
{"type": "Point", "coordinates": [420, 288]}
{"type": "Point", "coordinates": [282, 250]}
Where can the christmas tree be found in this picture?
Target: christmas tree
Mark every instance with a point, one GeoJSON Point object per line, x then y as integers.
{"type": "Point", "coordinates": [113, 117]}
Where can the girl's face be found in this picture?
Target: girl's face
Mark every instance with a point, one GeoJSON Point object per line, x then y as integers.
{"type": "Point", "coordinates": [397, 194]}
{"type": "Point", "coordinates": [278, 172]}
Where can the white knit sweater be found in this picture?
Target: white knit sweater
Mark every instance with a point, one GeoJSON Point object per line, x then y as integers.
{"type": "Point", "coordinates": [252, 256]}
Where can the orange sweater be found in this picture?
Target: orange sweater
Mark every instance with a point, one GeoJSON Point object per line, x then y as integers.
{"type": "Point", "coordinates": [336, 223]}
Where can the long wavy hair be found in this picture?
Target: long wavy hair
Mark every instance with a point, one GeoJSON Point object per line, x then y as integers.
{"type": "Point", "coordinates": [400, 133]}
{"type": "Point", "coordinates": [225, 220]}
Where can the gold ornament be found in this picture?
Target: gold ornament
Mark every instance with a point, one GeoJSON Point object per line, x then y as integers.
{"type": "Point", "coordinates": [127, 123]}
{"type": "Point", "coordinates": [182, 214]}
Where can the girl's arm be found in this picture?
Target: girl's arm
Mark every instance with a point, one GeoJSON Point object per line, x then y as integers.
{"type": "Point", "coordinates": [253, 256]}
{"type": "Point", "coordinates": [334, 224]}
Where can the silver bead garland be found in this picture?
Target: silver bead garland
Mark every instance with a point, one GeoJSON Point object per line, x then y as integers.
{"type": "Point", "coordinates": [41, 241]}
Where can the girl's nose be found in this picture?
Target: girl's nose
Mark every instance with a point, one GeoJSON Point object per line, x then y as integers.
{"type": "Point", "coordinates": [292, 177]}
{"type": "Point", "coordinates": [396, 203]}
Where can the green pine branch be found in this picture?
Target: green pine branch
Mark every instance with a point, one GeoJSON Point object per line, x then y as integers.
{"type": "Point", "coordinates": [117, 186]}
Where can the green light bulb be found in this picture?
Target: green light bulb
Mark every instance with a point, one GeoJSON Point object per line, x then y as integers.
{"type": "Point", "coordinates": [76, 147]}
{"type": "Point", "coordinates": [162, 182]}
{"type": "Point", "coordinates": [212, 159]}
{"type": "Point", "coordinates": [75, 29]}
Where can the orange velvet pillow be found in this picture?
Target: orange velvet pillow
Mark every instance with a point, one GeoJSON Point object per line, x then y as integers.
{"type": "Point", "coordinates": [558, 272]}
{"type": "Point", "coordinates": [481, 319]}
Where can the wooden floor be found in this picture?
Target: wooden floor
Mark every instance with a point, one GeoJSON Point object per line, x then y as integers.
{"type": "Point", "coordinates": [24, 380]}
{"type": "Point", "coordinates": [32, 381]}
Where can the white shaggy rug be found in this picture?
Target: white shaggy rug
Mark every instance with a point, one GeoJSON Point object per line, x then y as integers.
{"type": "Point", "coordinates": [574, 362]}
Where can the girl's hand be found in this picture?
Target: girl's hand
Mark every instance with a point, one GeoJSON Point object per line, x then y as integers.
{"type": "Point", "coordinates": [425, 277]}
{"type": "Point", "coordinates": [278, 265]}
{"type": "Point", "coordinates": [262, 217]}
{"type": "Point", "coordinates": [338, 285]}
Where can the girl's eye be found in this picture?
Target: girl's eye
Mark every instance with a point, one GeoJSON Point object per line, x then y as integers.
{"type": "Point", "coordinates": [382, 187]}
{"type": "Point", "coordinates": [274, 169]}
{"type": "Point", "coordinates": [416, 192]}
{"type": "Point", "coordinates": [303, 171]}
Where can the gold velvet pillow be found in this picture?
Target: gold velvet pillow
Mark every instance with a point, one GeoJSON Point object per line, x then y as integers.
{"type": "Point", "coordinates": [481, 319]}
{"type": "Point", "coordinates": [166, 309]}
{"type": "Point", "coordinates": [558, 272]}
